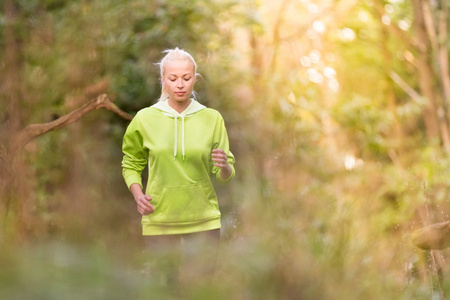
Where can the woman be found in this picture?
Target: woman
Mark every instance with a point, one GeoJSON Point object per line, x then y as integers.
{"type": "Point", "coordinates": [183, 143]}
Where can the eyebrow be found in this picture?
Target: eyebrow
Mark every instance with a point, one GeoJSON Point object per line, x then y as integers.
{"type": "Point", "coordinates": [187, 74]}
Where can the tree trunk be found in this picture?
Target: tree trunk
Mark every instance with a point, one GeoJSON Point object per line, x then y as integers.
{"type": "Point", "coordinates": [12, 187]}
{"type": "Point", "coordinates": [435, 127]}
{"type": "Point", "coordinates": [436, 28]}
{"type": "Point", "coordinates": [16, 198]}
{"type": "Point", "coordinates": [443, 52]}
{"type": "Point", "coordinates": [12, 62]}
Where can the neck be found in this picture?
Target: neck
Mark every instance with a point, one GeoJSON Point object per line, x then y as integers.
{"type": "Point", "coordinates": [179, 106]}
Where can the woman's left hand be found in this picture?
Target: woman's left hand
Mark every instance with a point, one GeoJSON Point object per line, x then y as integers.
{"type": "Point", "coordinates": [220, 159]}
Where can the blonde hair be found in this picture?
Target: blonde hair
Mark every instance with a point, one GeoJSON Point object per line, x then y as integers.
{"type": "Point", "coordinates": [175, 55]}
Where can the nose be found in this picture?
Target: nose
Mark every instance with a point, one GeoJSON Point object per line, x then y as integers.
{"type": "Point", "coordinates": [180, 83]}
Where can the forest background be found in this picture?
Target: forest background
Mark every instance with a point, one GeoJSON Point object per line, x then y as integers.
{"type": "Point", "coordinates": [337, 113]}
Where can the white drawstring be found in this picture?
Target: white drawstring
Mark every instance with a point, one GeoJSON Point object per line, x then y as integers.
{"type": "Point", "coordinates": [176, 138]}
{"type": "Point", "coordinates": [182, 135]}
{"type": "Point", "coordinates": [169, 111]}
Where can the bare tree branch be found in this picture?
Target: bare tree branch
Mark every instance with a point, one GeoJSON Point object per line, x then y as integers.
{"type": "Point", "coordinates": [405, 87]}
{"type": "Point", "coordinates": [34, 130]}
{"type": "Point", "coordinates": [445, 134]}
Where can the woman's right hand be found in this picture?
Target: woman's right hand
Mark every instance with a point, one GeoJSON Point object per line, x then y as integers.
{"type": "Point", "coordinates": [143, 205]}
{"type": "Point", "coordinates": [143, 201]}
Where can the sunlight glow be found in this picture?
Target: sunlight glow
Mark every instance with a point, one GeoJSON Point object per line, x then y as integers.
{"type": "Point", "coordinates": [314, 76]}
{"type": "Point", "coordinates": [352, 162]}
{"type": "Point", "coordinates": [329, 72]}
{"type": "Point", "coordinates": [312, 8]}
{"type": "Point", "coordinates": [319, 26]}
{"type": "Point", "coordinates": [386, 20]}
{"type": "Point", "coordinates": [333, 85]}
{"type": "Point", "coordinates": [404, 24]}
{"type": "Point", "coordinates": [305, 61]}
{"type": "Point", "coordinates": [315, 56]}
{"type": "Point", "coordinates": [346, 34]}
{"type": "Point", "coordinates": [363, 16]}
{"type": "Point", "coordinates": [389, 8]}
{"type": "Point", "coordinates": [292, 98]}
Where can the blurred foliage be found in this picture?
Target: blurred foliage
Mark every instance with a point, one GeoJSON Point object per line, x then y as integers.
{"type": "Point", "coordinates": [335, 162]}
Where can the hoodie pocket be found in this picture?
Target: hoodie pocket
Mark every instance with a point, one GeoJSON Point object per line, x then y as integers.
{"type": "Point", "coordinates": [183, 204]}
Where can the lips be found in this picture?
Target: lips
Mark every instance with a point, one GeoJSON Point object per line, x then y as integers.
{"type": "Point", "coordinates": [180, 93]}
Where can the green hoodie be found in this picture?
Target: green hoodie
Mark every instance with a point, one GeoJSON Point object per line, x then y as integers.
{"type": "Point", "coordinates": [177, 148]}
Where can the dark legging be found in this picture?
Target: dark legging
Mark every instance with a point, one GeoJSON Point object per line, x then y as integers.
{"type": "Point", "coordinates": [183, 256]}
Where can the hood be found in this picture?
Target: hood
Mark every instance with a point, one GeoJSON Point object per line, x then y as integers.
{"type": "Point", "coordinates": [163, 105]}
{"type": "Point", "coordinates": [167, 110]}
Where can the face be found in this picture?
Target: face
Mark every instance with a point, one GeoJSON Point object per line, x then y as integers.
{"type": "Point", "coordinates": [179, 80]}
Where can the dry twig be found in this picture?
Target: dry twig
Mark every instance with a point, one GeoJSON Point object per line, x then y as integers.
{"type": "Point", "coordinates": [34, 130]}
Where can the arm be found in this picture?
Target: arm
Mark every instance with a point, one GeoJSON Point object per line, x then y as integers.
{"type": "Point", "coordinates": [134, 161]}
{"type": "Point", "coordinates": [220, 159]}
{"type": "Point", "coordinates": [221, 155]}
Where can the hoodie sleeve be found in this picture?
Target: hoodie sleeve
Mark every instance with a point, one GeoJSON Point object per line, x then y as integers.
{"type": "Point", "coordinates": [221, 142]}
{"type": "Point", "coordinates": [135, 155]}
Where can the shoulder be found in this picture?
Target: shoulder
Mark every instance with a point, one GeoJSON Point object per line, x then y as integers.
{"type": "Point", "coordinates": [210, 116]}
{"type": "Point", "coordinates": [145, 112]}
{"type": "Point", "coordinates": [145, 115]}
{"type": "Point", "coordinates": [213, 118]}
{"type": "Point", "coordinates": [142, 118]}
{"type": "Point", "coordinates": [211, 112]}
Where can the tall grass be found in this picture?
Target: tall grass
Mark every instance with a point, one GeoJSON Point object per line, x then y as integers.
{"type": "Point", "coordinates": [320, 245]}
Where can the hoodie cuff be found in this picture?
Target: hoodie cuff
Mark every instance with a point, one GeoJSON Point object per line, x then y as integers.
{"type": "Point", "coordinates": [130, 179]}
{"type": "Point", "coordinates": [220, 179]}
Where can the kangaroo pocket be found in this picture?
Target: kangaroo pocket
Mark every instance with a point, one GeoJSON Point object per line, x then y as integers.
{"type": "Point", "coordinates": [183, 204]}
